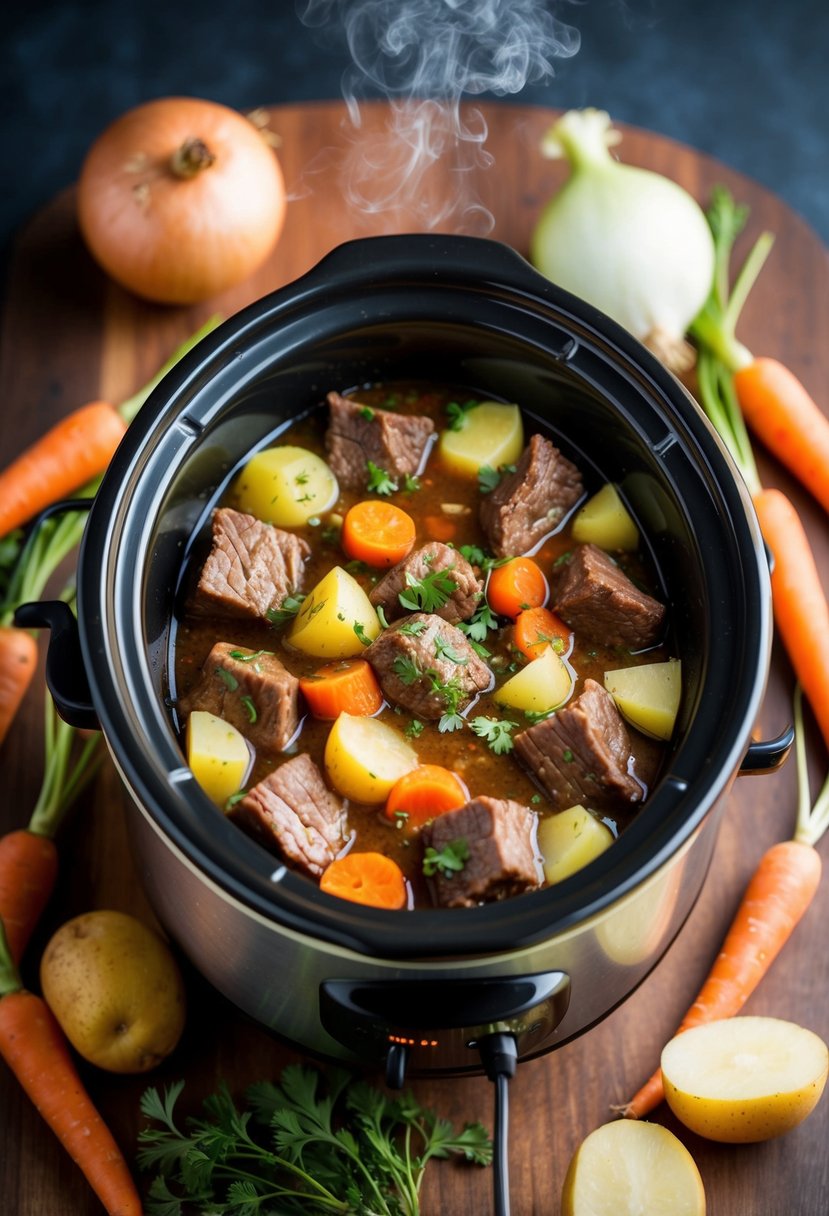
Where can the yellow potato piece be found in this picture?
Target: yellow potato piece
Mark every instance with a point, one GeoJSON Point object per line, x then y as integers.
{"type": "Point", "coordinates": [632, 1168]}
{"type": "Point", "coordinates": [285, 486]}
{"type": "Point", "coordinates": [604, 520]}
{"type": "Point", "coordinates": [648, 695]}
{"type": "Point", "coordinates": [541, 686]}
{"type": "Point", "coordinates": [570, 840]}
{"type": "Point", "coordinates": [490, 434]}
{"type": "Point", "coordinates": [332, 618]}
{"type": "Point", "coordinates": [218, 754]}
{"type": "Point", "coordinates": [364, 758]}
{"type": "Point", "coordinates": [744, 1079]}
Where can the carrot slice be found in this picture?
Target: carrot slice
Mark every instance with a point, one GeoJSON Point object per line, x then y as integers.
{"type": "Point", "coordinates": [537, 628]}
{"type": "Point", "coordinates": [344, 686]}
{"type": "Point", "coordinates": [366, 878]}
{"type": "Point", "coordinates": [425, 792]}
{"type": "Point", "coordinates": [377, 533]}
{"type": "Point", "coordinates": [516, 586]}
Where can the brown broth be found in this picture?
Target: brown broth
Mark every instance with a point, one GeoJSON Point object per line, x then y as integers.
{"type": "Point", "coordinates": [469, 756]}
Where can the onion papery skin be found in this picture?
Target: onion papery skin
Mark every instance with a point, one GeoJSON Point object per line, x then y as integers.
{"type": "Point", "coordinates": [173, 239]}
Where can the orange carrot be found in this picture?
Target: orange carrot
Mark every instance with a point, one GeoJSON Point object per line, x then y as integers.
{"type": "Point", "coordinates": [423, 793]}
{"type": "Point", "coordinates": [18, 660]}
{"type": "Point", "coordinates": [801, 611]}
{"type": "Point", "coordinates": [777, 896]}
{"type": "Point", "coordinates": [516, 586]}
{"type": "Point", "coordinates": [28, 872]}
{"type": "Point", "coordinates": [366, 878]}
{"type": "Point", "coordinates": [439, 527]}
{"type": "Point", "coordinates": [537, 628]}
{"type": "Point", "coordinates": [33, 1046]}
{"type": "Point", "coordinates": [377, 533]}
{"type": "Point", "coordinates": [344, 686]}
{"type": "Point", "coordinates": [71, 453]}
{"type": "Point", "coordinates": [784, 416]}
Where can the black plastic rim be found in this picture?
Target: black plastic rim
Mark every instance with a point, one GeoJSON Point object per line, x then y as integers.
{"type": "Point", "coordinates": [460, 279]}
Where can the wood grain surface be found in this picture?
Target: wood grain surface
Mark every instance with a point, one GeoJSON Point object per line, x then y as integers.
{"type": "Point", "coordinates": [68, 335]}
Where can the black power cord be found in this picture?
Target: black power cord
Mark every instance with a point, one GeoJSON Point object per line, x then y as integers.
{"type": "Point", "coordinates": [499, 1056]}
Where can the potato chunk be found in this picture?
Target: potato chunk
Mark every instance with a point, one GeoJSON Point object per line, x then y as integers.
{"type": "Point", "coordinates": [604, 520]}
{"type": "Point", "coordinates": [648, 696]}
{"type": "Point", "coordinates": [364, 758]}
{"type": "Point", "coordinates": [285, 486]}
{"type": "Point", "coordinates": [218, 754]}
{"type": "Point", "coordinates": [569, 840]}
{"type": "Point", "coordinates": [489, 433]}
{"type": "Point", "coordinates": [334, 618]}
{"type": "Point", "coordinates": [541, 686]}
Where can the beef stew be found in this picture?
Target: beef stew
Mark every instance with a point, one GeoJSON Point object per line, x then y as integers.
{"type": "Point", "coordinates": [520, 717]}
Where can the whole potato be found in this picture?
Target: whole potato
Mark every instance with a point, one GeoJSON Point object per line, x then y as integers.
{"type": "Point", "coordinates": [116, 990]}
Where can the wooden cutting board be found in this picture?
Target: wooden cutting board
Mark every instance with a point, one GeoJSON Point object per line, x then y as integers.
{"type": "Point", "coordinates": [68, 336]}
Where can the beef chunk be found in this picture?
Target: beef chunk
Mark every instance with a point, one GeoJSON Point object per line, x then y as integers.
{"type": "Point", "coordinates": [422, 562]}
{"type": "Point", "coordinates": [251, 568]}
{"type": "Point", "coordinates": [293, 809]}
{"type": "Point", "coordinates": [252, 691]}
{"type": "Point", "coordinates": [359, 433]}
{"type": "Point", "coordinates": [532, 501]}
{"type": "Point", "coordinates": [581, 754]}
{"type": "Point", "coordinates": [501, 861]}
{"type": "Point", "coordinates": [426, 665]}
{"type": "Point", "coordinates": [600, 602]}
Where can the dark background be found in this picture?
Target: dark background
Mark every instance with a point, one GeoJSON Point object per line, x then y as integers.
{"type": "Point", "coordinates": [744, 80]}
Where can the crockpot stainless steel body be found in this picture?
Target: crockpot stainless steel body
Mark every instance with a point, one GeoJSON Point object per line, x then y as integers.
{"type": "Point", "coordinates": [338, 979]}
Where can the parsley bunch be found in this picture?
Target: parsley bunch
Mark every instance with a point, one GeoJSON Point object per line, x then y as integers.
{"type": "Point", "coordinates": [302, 1146]}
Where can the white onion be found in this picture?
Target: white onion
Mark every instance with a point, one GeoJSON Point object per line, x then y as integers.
{"type": "Point", "coordinates": [629, 241]}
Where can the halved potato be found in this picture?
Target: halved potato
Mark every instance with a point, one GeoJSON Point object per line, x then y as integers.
{"type": "Point", "coordinates": [218, 754]}
{"type": "Point", "coordinates": [604, 520]}
{"type": "Point", "coordinates": [490, 433]}
{"type": "Point", "coordinates": [333, 617]}
{"type": "Point", "coordinates": [364, 758]}
{"type": "Point", "coordinates": [541, 686]}
{"type": "Point", "coordinates": [569, 840]}
{"type": "Point", "coordinates": [744, 1079]}
{"type": "Point", "coordinates": [285, 486]}
{"type": "Point", "coordinates": [648, 695]}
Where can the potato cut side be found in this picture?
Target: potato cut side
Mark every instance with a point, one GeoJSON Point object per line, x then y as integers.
{"type": "Point", "coordinates": [604, 520]}
{"type": "Point", "coordinates": [490, 434]}
{"type": "Point", "coordinates": [364, 758]}
{"type": "Point", "coordinates": [285, 486]}
{"type": "Point", "coordinates": [337, 619]}
{"type": "Point", "coordinates": [632, 1168]}
{"type": "Point", "coordinates": [543, 685]}
{"type": "Point", "coordinates": [570, 840]}
{"type": "Point", "coordinates": [218, 755]}
{"type": "Point", "coordinates": [744, 1079]}
{"type": "Point", "coordinates": [648, 695]}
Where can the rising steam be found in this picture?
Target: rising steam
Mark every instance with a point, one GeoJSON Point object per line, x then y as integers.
{"type": "Point", "coordinates": [424, 56]}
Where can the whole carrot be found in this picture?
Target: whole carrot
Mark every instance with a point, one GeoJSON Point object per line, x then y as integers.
{"type": "Point", "coordinates": [72, 452]}
{"type": "Point", "coordinates": [783, 415]}
{"type": "Point", "coordinates": [778, 894]}
{"type": "Point", "coordinates": [28, 872]}
{"type": "Point", "coordinates": [18, 661]}
{"type": "Point", "coordinates": [801, 612]}
{"type": "Point", "coordinates": [33, 1046]}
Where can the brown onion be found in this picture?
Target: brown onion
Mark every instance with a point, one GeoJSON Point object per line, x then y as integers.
{"type": "Point", "coordinates": [180, 199]}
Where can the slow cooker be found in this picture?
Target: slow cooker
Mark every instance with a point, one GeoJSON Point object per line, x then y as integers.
{"type": "Point", "coordinates": [337, 979]}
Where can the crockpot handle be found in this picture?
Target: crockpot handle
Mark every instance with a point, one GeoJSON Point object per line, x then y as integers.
{"type": "Point", "coordinates": [768, 755]}
{"type": "Point", "coordinates": [65, 672]}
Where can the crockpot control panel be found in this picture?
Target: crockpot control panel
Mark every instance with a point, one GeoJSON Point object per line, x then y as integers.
{"type": "Point", "coordinates": [423, 1026]}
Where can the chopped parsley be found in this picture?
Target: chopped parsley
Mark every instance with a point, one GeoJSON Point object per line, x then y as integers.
{"type": "Point", "coordinates": [301, 479]}
{"type": "Point", "coordinates": [410, 483]}
{"type": "Point", "coordinates": [241, 657]}
{"type": "Point", "coordinates": [445, 650]}
{"type": "Point", "coordinates": [379, 480]}
{"type": "Point", "coordinates": [482, 620]}
{"type": "Point", "coordinates": [359, 629]}
{"type": "Point", "coordinates": [429, 593]}
{"type": "Point", "coordinates": [406, 670]}
{"type": "Point", "coordinates": [288, 609]}
{"type": "Point", "coordinates": [447, 861]}
{"type": "Point", "coordinates": [456, 413]}
{"type": "Point", "coordinates": [250, 709]}
{"type": "Point", "coordinates": [488, 478]}
{"type": "Point", "coordinates": [234, 798]}
{"type": "Point", "coordinates": [228, 679]}
{"type": "Point", "coordinates": [414, 730]}
{"type": "Point", "coordinates": [496, 731]}
{"type": "Point", "coordinates": [449, 722]}
{"type": "Point", "coordinates": [413, 629]}
{"type": "Point", "coordinates": [381, 615]}
{"type": "Point", "coordinates": [536, 715]}
{"type": "Point", "coordinates": [366, 413]}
